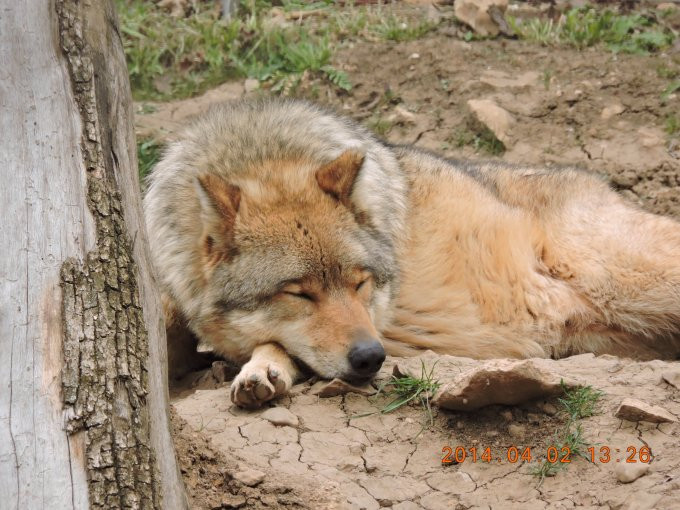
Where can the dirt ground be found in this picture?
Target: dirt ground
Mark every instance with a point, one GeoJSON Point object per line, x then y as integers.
{"type": "Point", "coordinates": [593, 109]}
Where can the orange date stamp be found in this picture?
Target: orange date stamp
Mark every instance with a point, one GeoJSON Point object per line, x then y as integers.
{"type": "Point", "coordinates": [551, 454]}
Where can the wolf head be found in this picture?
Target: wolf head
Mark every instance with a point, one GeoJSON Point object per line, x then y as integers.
{"type": "Point", "coordinates": [290, 260]}
{"type": "Point", "coordinates": [276, 222]}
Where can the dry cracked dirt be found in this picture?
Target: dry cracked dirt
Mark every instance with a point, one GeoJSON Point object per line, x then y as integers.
{"type": "Point", "coordinates": [307, 451]}
{"type": "Point", "coordinates": [593, 108]}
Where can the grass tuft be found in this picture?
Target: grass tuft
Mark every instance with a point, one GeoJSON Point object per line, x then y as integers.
{"type": "Point", "coordinates": [170, 57]}
{"type": "Point", "coordinates": [577, 403]}
{"type": "Point", "coordinates": [148, 153]}
{"type": "Point", "coordinates": [480, 137]}
{"type": "Point", "coordinates": [404, 390]}
{"type": "Point", "coordinates": [583, 27]}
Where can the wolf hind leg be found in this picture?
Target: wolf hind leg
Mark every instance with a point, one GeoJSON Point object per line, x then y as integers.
{"type": "Point", "coordinates": [626, 263]}
{"type": "Point", "coordinates": [269, 373]}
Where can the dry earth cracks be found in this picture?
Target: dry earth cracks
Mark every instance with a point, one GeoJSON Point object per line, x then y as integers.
{"type": "Point", "coordinates": [310, 443]}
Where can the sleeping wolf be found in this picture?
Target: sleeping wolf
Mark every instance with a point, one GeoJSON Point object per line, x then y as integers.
{"type": "Point", "coordinates": [288, 237]}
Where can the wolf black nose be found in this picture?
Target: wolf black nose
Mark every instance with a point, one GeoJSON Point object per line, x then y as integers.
{"type": "Point", "coordinates": [366, 357]}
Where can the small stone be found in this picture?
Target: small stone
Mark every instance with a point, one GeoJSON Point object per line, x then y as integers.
{"type": "Point", "coordinates": [498, 120]}
{"type": "Point", "coordinates": [414, 56]}
{"type": "Point", "coordinates": [251, 84]}
{"type": "Point", "coordinates": [281, 416]}
{"type": "Point", "coordinates": [516, 431]}
{"type": "Point", "coordinates": [666, 6]}
{"type": "Point", "coordinates": [610, 111]}
{"type": "Point", "coordinates": [549, 409]}
{"type": "Point", "coordinates": [249, 477]}
{"type": "Point", "coordinates": [533, 418]}
{"type": "Point", "coordinates": [233, 501]}
{"type": "Point", "coordinates": [492, 433]}
{"type": "Point", "coordinates": [477, 14]}
{"type": "Point", "coordinates": [339, 387]}
{"type": "Point", "coordinates": [402, 115]}
{"type": "Point", "coordinates": [636, 410]}
{"type": "Point", "coordinates": [672, 377]}
{"type": "Point", "coordinates": [506, 382]}
{"type": "Point", "coordinates": [506, 415]}
{"type": "Point", "coordinates": [629, 472]}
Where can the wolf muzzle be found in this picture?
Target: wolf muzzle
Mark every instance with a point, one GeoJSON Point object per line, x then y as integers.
{"type": "Point", "coordinates": [366, 357]}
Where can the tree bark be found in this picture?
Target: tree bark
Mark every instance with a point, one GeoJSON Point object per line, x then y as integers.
{"type": "Point", "coordinates": [83, 385]}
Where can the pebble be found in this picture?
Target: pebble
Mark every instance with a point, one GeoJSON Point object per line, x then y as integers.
{"type": "Point", "coordinates": [549, 409]}
{"type": "Point", "coordinates": [672, 377]}
{"type": "Point", "coordinates": [506, 415]}
{"type": "Point", "coordinates": [533, 418]}
{"type": "Point", "coordinates": [280, 416]}
{"type": "Point", "coordinates": [632, 409]}
{"type": "Point", "coordinates": [249, 477]}
{"type": "Point", "coordinates": [629, 472]}
{"type": "Point", "coordinates": [233, 501]}
{"type": "Point", "coordinates": [516, 431]}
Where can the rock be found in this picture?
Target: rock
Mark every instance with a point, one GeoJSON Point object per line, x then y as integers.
{"type": "Point", "coordinates": [666, 6]}
{"type": "Point", "coordinates": [651, 137]}
{"type": "Point", "coordinates": [497, 119]}
{"type": "Point", "coordinates": [222, 371]}
{"type": "Point", "coordinates": [481, 15]}
{"type": "Point", "coordinates": [402, 116]}
{"type": "Point", "coordinates": [548, 409]}
{"type": "Point", "coordinates": [414, 56]}
{"type": "Point", "coordinates": [506, 415]}
{"type": "Point", "coordinates": [610, 111]}
{"type": "Point", "coordinates": [249, 477]}
{"type": "Point", "coordinates": [233, 501]}
{"type": "Point", "coordinates": [516, 431]}
{"type": "Point", "coordinates": [281, 416]}
{"type": "Point", "coordinates": [251, 84]}
{"type": "Point", "coordinates": [636, 410]}
{"type": "Point", "coordinates": [629, 472]}
{"type": "Point", "coordinates": [506, 382]}
{"type": "Point", "coordinates": [533, 418]}
{"type": "Point", "coordinates": [672, 377]}
{"type": "Point", "coordinates": [339, 387]}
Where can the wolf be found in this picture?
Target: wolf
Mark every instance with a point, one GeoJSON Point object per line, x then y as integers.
{"type": "Point", "coordinates": [291, 239]}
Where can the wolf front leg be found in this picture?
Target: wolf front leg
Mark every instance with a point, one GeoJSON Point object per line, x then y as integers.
{"type": "Point", "coordinates": [269, 373]}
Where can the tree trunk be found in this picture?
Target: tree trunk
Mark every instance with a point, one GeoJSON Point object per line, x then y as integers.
{"type": "Point", "coordinates": [83, 394]}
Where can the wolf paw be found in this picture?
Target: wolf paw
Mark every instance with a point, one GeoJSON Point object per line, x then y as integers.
{"type": "Point", "coordinates": [259, 381]}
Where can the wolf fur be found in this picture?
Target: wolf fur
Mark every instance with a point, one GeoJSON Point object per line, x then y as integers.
{"type": "Point", "coordinates": [282, 232]}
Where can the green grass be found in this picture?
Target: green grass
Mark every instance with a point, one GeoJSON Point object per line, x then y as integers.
{"type": "Point", "coordinates": [670, 89]}
{"type": "Point", "coordinates": [577, 403]}
{"type": "Point", "coordinates": [148, 154]}
{"type": "Point", "coordinates": [175, 57]}
{"type": "Point", "coordinates": [586, 26]}
{"type": "Point", "coordinates": [672, 124]}
{"type": "Point", "coordinates": [379, 125]}
{"type": "Point", "coordinates": [403, 390]}
{"type": "Point", "coordinates": [394, 28]}
{"type": "Point", "coordinates": [480, 137]}
{"type": "Point", "coordinates": [171, 57]}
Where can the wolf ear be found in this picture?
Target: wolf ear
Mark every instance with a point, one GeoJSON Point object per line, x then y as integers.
{"type": "Point", "coordinates": [219, 204]}
{"type": "Point", "coordinates": [337, 177]}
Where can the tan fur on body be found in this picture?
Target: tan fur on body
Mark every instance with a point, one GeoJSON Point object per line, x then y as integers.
{"type": "Point", "coordinates": [282, 231]}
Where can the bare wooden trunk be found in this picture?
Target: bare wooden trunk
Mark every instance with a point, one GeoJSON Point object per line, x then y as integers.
{"type": "Point", "coordinates": [83, 394]}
